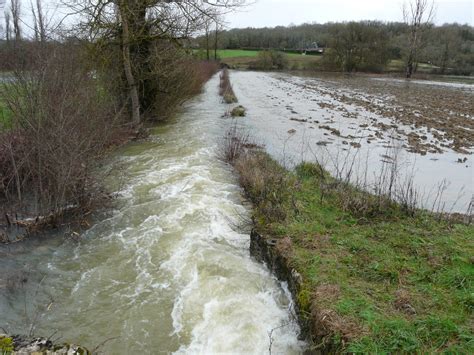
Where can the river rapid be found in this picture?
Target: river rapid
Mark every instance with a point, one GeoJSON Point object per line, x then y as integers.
{"type": "Point", "coordinates": [167, 271]}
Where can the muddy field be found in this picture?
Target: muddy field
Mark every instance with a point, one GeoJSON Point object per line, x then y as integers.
{"type": "Point", "coordinates": [428, 125]}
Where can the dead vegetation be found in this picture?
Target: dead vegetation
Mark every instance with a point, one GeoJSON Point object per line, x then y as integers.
{"type": "Point", "coordinates": [225, 88]}
{"type": "Point", "coordinates": [62, 121]}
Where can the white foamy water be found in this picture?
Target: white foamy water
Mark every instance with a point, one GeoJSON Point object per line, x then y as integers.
{"type": "Point", "coordinates": [166, 272]}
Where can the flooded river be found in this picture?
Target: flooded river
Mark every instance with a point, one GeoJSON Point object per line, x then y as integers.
{"type": "Point", "coordinates": [166, 272]}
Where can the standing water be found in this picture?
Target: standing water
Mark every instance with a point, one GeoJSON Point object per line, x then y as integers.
{"type": "Point", "coordinates": [166, 272]}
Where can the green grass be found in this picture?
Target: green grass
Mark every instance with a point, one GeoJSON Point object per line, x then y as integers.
{"type": "Point", "coordinates": [234, 53]}
{"type": "Point", "coordinates": [398, 65]}
{"type": "Point", "coordinates": [240, 53]}
{"type": "Point", "coordinates": [5, 116]}
{"type": "Point", "coordinates": [243, 59]}
{"type": "Point", "coordinates": [6, 345]}
{"type": "Point", "coordinates": [392, 283]}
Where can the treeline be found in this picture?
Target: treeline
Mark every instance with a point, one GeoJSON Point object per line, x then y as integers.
{"type": "Point", "coordinates": [367, 44]}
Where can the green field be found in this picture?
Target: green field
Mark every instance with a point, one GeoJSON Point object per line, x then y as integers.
{"type": "Point", "coordinates": [242, 59]}
{"type": "Point", "coordinates": [378, 282]}
{"type": "Point", "coordinates": [234, 53]}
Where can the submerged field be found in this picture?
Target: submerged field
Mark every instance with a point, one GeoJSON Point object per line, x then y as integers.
{"type": "Point", "coordinates": [360, 125]}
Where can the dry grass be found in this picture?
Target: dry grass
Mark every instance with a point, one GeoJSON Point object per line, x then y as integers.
{"type": "Point", "coordinates": [225, 88]}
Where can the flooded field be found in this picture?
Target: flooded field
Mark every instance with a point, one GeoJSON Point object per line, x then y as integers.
{"type": "Point", "coordinates": [365, 123]}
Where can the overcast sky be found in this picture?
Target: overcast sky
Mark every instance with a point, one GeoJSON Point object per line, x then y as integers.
{"type": "Point", "coordinates": [272, 13]}
{"type": "Point", "coordinates": [284, 12]}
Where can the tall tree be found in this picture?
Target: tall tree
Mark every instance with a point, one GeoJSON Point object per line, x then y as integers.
{"type": "Point", "coordinates": [15, 8]}
{"type": "Point", "coordinates": [417, 14]}
{"type": "Point", "coordinates": [137, 25]}
{"type": "Point", "coordinates": [8, 28]}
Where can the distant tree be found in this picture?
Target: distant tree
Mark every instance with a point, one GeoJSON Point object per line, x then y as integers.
{"type": "Point", "coordinates": [39, 23]}
{"type": "Point", "coordinates": [15, 8]}
{"type": "Point", "coordinates": [207, 23]}
{"type": "Point", "coordinates": [271, 59]}
{"type": "Point", "coordinates": [418, 15]}
{"type": "Point", "coordinates": [8, 28]}
{"type": "Point", "coordinates": [357, 46]}
{"type": "Point", "coordinates": [217, 32]}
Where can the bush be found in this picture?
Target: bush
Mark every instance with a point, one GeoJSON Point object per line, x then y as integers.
{"type": "Point", "coordinates": [62, 119]}
{"type": "Point", "coordinates": [173, 77]}
{"type": "Point", "coordinates": [270, 59]}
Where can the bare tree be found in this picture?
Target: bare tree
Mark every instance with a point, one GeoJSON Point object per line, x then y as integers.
{"type": "Point", "coordinates": [41, 23]}
{"type": "Point", "coordinates": [417, 14]}
{"type": "Point", "coordinates": [35, 22]}
{"type": "Point", "coordinates": [207, 35]}
{"type": "Point", "coordinates": [8, 28]}
{"type": "Point", "coordinates": [216, 37]}
{"type": "Point", "coordinates": [15, 8]}
{"type": "Point", "coordinates": [127, 62]}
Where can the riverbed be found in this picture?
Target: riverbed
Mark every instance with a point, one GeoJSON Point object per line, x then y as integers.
{"type": "Point", "coordinates": [367, 124]}
{"type": "Point", "coordinates": [167, 270]}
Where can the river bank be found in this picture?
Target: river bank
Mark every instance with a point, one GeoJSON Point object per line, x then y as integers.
{"type": "Point", "coordinates": [364, 280]}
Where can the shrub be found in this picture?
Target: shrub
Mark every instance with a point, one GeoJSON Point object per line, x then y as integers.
{"type": "Point", "coordinates": [6, 345]}
{"type": "Point", "coordinates": [225, 88]}
{"type": "Point", "coordinates": [62, 119]}
{"type": "Point", "coordinates": [270, 59]}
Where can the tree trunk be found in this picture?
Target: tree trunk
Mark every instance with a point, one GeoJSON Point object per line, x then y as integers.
{"type": "Point", "coordinates": [215, 42]}
{"type": "Point", "coordinates": [127, 64]}
{"type": "Point", "coordinates": [444, 63]}
{"type": "Point", "coordinates": [207, 45]}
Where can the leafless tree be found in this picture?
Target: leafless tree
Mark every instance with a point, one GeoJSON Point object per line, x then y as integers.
{"type": "Point", "coordinates": [15, 8]}
{"type": "Point", "coordinates": [8, 28]}
{"type": "Point", "coordinates": [207, 35]}
{"type": "Point", "coordinates": [39, 21]}
{"type": "Point", "coordinates": [417, 14]}
{"type": "Point", "coordinates": [218, 28]}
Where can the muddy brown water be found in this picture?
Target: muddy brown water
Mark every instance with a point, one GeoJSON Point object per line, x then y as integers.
{"type": "Point", "coordinates": [166, 271]}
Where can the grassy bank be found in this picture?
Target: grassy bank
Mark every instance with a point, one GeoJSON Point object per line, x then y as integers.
{"type": "Point", "coordinates": [374, 281]}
